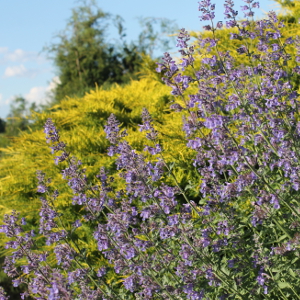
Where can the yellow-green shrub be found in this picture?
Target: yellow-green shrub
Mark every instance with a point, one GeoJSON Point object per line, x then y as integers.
{"type": "Point", "coordinates": [81, 122]}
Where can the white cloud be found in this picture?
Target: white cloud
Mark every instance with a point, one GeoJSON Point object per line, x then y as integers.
{"type": "Point", "coordinates": [20, 56]}
{"type": "Point", "coordinates": [3, 50]}
{"type": "Point", "coordinates": [53, 84]}
{"type": "Point", "coordinates": [17, 55]}
{"type": "Point", "coordinates": [42, 94]}
{"type": "Point", "coordinates": [36, 94]}
{"type": "Point", "coordinates": [15, 71]}
{"type": "Point", "coordinates": [22, 71]}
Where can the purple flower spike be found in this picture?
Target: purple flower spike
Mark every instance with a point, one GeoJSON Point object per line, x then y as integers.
{"type": "Point", "coordinates": [102, 271]}
{"type": "Point", "coordinates": [182, 39]}
{"type": "Point", "coordinates": [229, 12]}
{"type": "Point", "coordinates": [147, 126]}
{"type": "Point", "coordinates": [207, 10]}
{"type": "Point", "coordinates": [112, 129]}
{"type": "Point", "coordinates": [51, 132]}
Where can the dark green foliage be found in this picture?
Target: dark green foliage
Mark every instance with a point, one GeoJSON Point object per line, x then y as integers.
{"type": "Point", "coordinates": [2, 125]}
{"type": "Point", "coordinates": [81, 56]}
{"type": "Point", "coordinates": [18, 120]}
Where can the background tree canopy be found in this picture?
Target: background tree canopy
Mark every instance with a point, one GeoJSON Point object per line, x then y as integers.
{"type": "Point", "coordinates": [84, 58]}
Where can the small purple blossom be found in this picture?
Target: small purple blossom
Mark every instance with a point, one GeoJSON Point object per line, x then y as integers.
{"type": "Point", "coordinates": [183, 38]}
{"type": "Point", "coordinates": [112, 129]}
{"type": "Point", "coordinates": [102, 271]}
{"type": "Point", "coordinates": [51, 132]}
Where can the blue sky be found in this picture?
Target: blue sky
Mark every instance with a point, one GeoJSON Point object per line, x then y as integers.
{"type": "Point", "coordinates": [28, 26]}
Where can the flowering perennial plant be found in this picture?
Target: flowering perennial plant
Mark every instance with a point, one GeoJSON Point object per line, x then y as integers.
{"type": "Point", "coordinates": [239, 240]}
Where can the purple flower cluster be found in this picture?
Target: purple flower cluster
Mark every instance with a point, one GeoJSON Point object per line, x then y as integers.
{"type": "Point", "coordinates": [239, 239]}
{"type": "Point", "coordinates": [3, 295]}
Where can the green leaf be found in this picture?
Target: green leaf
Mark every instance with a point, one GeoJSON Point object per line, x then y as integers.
{"type": "Point", "coordinates": [283, 284]}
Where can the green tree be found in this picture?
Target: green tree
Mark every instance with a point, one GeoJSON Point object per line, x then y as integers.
{"type": "Point", "coordinates": [84, 58]}
{"type": "Point", "coordinates": [156, 35]}
{"type": "Point", "coordinates": [18, 117]}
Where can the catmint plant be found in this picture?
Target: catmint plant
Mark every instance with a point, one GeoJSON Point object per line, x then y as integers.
{"type": "Point", "coordinates": [239, 239]}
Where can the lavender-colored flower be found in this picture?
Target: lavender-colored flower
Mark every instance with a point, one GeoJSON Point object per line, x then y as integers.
{"type": "Point", "coordinates": [214, 121]}
{"type": "Point", "coordinates": [232, 24]}
{"type": "Point", "coordinates": [241, 50]}
{"type": "Point", "coordinates": [42, 183]}
{"type": "Point", "coordinates": [155, 171]}
{"type": "Point", "coordinates": [64, 255]}
{"type": "Point", "coordinates": [101, 237]}
{"type": "Point", "coordinates": [47, 217]}
{"type": "Point", "coordinates": [191, 293]}
{"type": "Point", "coordinates": [182, 39]}
{"type": "Point", "coordinates": [231, 263]}
{"type": "Point", "coordinates": [23, 295]}
{"type": "Point", "coordinates": [77, 275]}
{"type": "Point", "coordinates": [3, 295]}
{"type": "Point", "coordinates": [112, 130]}
{"type": "Point", "coordinates": [261, 278]}
{"type": "Point", "coordinates": [102, 271]}
{"type": "Point", "coordinates": [77, 224]}
{"type": "Point", "coordinates": [173, 220]}
{"type": "Point", "coordinates": [168, 232]}
{"type": "Point", "coordinates": [51, 132]}
{"type": "Point", "coordinates": [42, 188]}
{"type": "Point", "coordinates": [142, 245]}
{"type": "Point", "coordinates": [186, 62]}
{"type": "Point", "coordinates": [161, 67]}
{"type": "Point", "coordinates": [11, 227]}
{"type": "Point", "coordinates": [131, 283]}
{"type": "Point", "coordinates": [220, 24]}
{"type": "Point", "coordinates": [54, 237]}
{"type": "Point", "coordinates": [147, 125]}
{"type": "Point", "coordinates": [60, 146]}
{"type": "Point", "coordinates": [61, 158]}
{"type": "Point", "coordinates": [229, 12]}
{"type": "Point", "coordinates": [152, 150]}
{"type": "Point", "coordinates": [169, 66]}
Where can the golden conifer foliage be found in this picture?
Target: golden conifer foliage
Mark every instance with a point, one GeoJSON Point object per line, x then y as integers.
{"type": "Point", "coordinates": [80, 122]}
